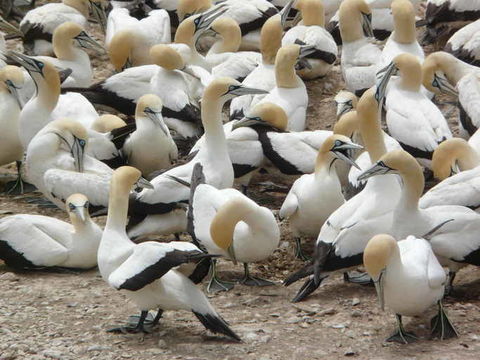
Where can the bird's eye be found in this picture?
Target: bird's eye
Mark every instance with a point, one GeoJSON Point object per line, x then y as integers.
{"type": "Point", "coordinates": [233, 87]}
{"type": "Point", "coordinates": [87, 205]}
{"type": "Point", "coordinates": [349, 102]}
{"type": "Point", "coordinates": [197, 21]}
{"type": "Point", "coordinates": [435, 83]}
{"type": "Point", "coordinates": [40, 65]}
{"type": "Point", "coordinates": [338, 143]}
{"type": "Point", "coordinates": [71, 206]}
{"type": "Point", "coordinates": [82, 142]}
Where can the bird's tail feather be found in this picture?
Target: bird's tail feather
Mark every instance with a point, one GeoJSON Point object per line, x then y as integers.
{"type": "Point", "coordinates": [216, 324]}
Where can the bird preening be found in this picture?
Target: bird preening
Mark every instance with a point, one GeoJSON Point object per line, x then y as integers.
{"type": "Point", "coordinates": [182, 149]}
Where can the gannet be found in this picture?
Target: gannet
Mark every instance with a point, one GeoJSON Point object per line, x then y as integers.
{"type": "Point", "coordinates": [359, 55]}
{"type": "Point", "coordinates": [39, 24]}
{"type": "Point", "coordinates": [412, 118]}
{"type": "Point", "coordinates": [408, 280]}
{"type": "Point", "coordinates": [300, 206]}
{"type": "Point", "coordinates": [312, 32]}
{"type": "Point", "coordinates": [442, 72]}
{"type": "Point", "coordinates": [35, 242]}
{"type": "Point", "coordinates": [129, 40]}
{"type": "Point", "coordinates": [151, 274]}
{"type": "Point", "coordinates": [465, 44]}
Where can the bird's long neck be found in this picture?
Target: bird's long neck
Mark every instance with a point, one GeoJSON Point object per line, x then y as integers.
{"type": "Point", "coordinates": [350, 21]}
{"type": "Point", "coordinates": [404, 26]}
{"type": "Point", "coordinates": [64, 49]}
{"type": "Point", "coordinates": [372, 134]}
{"type": "Point", "coordinates": [229, 42]}
{"type": "Point", "coordinates": [313, 14]}
{"type": "Point", "coordinates": [324, 166]}
{"type": "Point", "coordinates": [413, 185]}
{"type": "Point", "coordinates": [271, 39]}
{"type": "Point", "coordinates": [48, 90]}
{"type": "Point", "coordinates": [211, 112]}
{"type": "Point", "coordinates": [454, 69]}
{"type": "Point", "coordinates": [411, 79]}
{"type": "Point", "coordinates": [285, 74]}
{"type": "Point", "coordinates": [117, 206]}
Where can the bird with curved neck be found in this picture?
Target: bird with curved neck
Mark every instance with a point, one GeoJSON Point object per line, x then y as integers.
{"type": "Point", "coordinates": [153, 275]}
{"type": "Point", "coordinates": [312, 32]}
{"type": "Point", "coordinates": [290, 92]}
{"type": "Point", "coordinates": [47, 104]}
{"type": "Point", "coordinates": [456, 164]}
{"type": "Point", "coordinates": [403, 39]}
{"type": "Point", "coordinates": [69, 40]}
{"type": "Point", "coordinates": [11, 149]}
{"type": "Point", "coordinates": [57, 165]}
{"type": "Point", "coordinates": [36, 242]}
{"type": "Point", "coordinates": [345, 234]}
{"type": "Point", "coordinates": [359, 56]}
{"type": "Point", "coordinates": [190, 30]}
{"type": "Point", "coordinates": [224, 57]}
{"type": "Point", "coordinates": [451, 230]}
{"type": "Point", "coordinates": [412, 119]}
{"type": "Point", "coordinates": [227, 223]}
{"type": "Point", "coordinates": [409, 280]}
{"type": "Point", "coordinates": [263, 76]}
{"type": "Point", "coordinates": [39, 24]}
{"type": "Point", "coordinates": [249, 14]}
{"type": "Point", "coordinates": [150, 147]}
{"type": "Point", "coordinates": [345, 101]}
{"type": "Point", "coordinates": [443, 73]}
{"type": "Point", "coordinates": [213, 156]}
{"type": "Point", "coordinates": [322, 187]}
{"type": "Point", "coordinates": [129, 40]}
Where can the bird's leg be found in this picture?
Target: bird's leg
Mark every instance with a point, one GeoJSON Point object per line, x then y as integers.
{"type": "Point", "coordinates": [250, 280]}
{"type": "Point", "coordinates": [157, 317]}
{"type": "Point", "coordinates": [441, 325]}
{"type": "Point", "coordinates": [132, 328]}
{"type": "Point", "coordinates": [299, 254]}
{"type": "Point", "coordinates": [401, 336]}
{"type": "Point", "coordinates": [361, 278]}
{"type": "Point", "coordinates": [18, 186]}
{"type": "Point", "coordinates": [215, 284]}
{"type": "Point", "coordinates": [449, 287]}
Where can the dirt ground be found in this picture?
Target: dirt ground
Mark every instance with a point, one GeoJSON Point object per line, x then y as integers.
{"type": "Point", "coordinates": [65, 316]}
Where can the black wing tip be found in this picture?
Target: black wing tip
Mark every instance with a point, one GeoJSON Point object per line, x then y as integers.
{"type": "Point", "coordinates": [216, 325]}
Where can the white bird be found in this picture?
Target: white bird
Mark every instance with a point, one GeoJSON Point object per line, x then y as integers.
{"type": "Point", "coordinates": [57, 165]}
{"type": "Point", "coordinates": [11, 149]}
{"type": "Point", "coordinates": [213, 157]}
{"type": "Point", "coordinates": [41, 242]}
{"type": "Point", "coordinates": [227, 223]}
{"type": "Point", "coordinates": [68, 40]}
{"type": "Point", "coordinates": [151, 274]}
{"type": "Point", "coordinates": [224, 57]}
{"type": "Point", "coordinates": [409, 280]}
{"type": "Point", "coordinates": [444, 17]}
{"type": "Point", "coordinates": [403, 39]}
{"type": "Point", "coordinates": [465, 44]}
{"type": "Point", "coordinates": [451, 230]}
{"type": "Point", "coordinates": [443, 73]}
{"type": "Point", "coordinates": [312, 32]}
{"type": "Point", "coordinates": [323, 187]}
{"type": "Point", "coordinates": [360, 56]}
{"type": "Point", "coordinates": [47, 104]}
{"type": "Point", "coordinates": [263, 76]}
{"type": "Point", "coordinates": [290, 92]}
{"type": "Point", "coordinates": [456, 164]}
{"type": "Point", "coordinates": [249, 14]}
{"type": "Point", "coordinates": [39, 24]}
{"type": "Point", "coordinates": [129, 40]}
{"type": "Point", "coordinates": [412, 118]}
{"type": "Point", "coordinates": [150, 147]}
{"type": "Point", "coordinates": [346, 232]}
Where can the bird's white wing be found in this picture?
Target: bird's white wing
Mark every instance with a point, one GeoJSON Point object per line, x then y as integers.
{"type": "Point", "coordinates": [33, 242]}
{"type": "Point", "coordinates": [290, 204]}
{"type": "Point", "coordinates": [132, 83]}
{"type": "Point", "coordinates": [148, 262]}
{"type": "Point", "coordinates": [62, 183]}
{"type": "Point", "coordinates": [157, 27]}
{"type": "Point", "coordinates": [469, 97]}
{"type": "Point", "coordinates": [75, 107]}
{"type": "Point", "coordinates": [118, 19]}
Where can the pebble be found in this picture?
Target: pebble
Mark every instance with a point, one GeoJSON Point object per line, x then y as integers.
{"type": "Point", "coordinates": [9, 276]}
{"type": "Point", "coordinates": [356, 314]}
{"type": "Point", "coordinates": [355, 301]}
{"type": "Point", "coordinates": [350, 352]}
{"type": "Point", "coordinates": [98, 348]}
{"type": "Point", "coordinates": [162, 343]}
{"type": "Point", "coordinates": [53, 354]}
{"type": "Point", "coordinates": [330, 311]}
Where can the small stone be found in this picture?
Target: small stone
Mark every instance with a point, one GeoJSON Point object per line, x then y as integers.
{"type": "Point", "coordinates": [98, 348]}
{"type": "Point", "coordinates": [356, 314]}
{"type": "Point", "coordinates": [9, 276]}
{"type": "Point", "coordinates": [355, 301]}
{"type": "Point", "coordinates": [350, 352]}
{"type": "Point", "coordinates": [72, 304]}
{"type": "Point", "coordinates": [330, 311]}
{"type": "Point", "coordinates": [251, 336]}
{"type": "Point", "coordinates": [162, 343]}
{"type": "Point", "coordinates": [52, 354]}
{"type": "Point", "coordinates": [275, 315]}
{"type": "Point", "coordinates": [338, 326]}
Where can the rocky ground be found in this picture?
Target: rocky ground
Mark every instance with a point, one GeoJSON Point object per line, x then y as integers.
{"type": "Point", "coordinates": [65, 316]}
